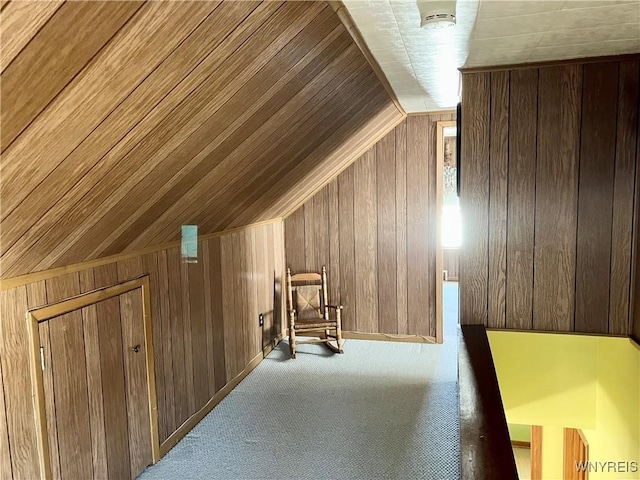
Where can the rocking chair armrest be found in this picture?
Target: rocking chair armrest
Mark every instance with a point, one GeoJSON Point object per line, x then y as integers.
{"type": "Point", "coordinates": [335, 307]}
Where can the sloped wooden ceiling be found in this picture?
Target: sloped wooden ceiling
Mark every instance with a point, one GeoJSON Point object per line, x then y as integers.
{"type": "Point", "coordinates": [121, 121]}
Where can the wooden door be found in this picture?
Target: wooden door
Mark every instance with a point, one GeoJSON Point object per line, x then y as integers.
{"type": "Point", "coordinates": [96, 390]}
{"type": "Point", "coordinates": [576, 455]}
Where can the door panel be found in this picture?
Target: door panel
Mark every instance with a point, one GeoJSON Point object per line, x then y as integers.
{"type": "Point", "coordinates": [96, 390]}
{"type": "Point", "coordinates": [113, 388]}
{"type": "Point", "coordinates": [70, 391]}
{"type": "Point", "coordinates": [136, 381]}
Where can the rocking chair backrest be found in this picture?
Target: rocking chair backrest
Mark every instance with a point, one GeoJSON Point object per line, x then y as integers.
{"type": "Point", "coordinates": [307, 295]}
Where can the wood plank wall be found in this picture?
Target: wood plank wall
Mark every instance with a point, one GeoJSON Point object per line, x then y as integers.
{"type": "Point", "coordinates": [205, 329]}
{"type": "Point", "coordinates": [549, 195]}
{"type": "Point", "coordinates": [124, 120]}
{"type": "Point", "coordinates": [373, 227]}
{"type": "Point", "coordinates": [451, 263]}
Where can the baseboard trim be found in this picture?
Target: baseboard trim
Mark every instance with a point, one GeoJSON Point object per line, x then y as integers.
{"type": "Point", "coordinates": [194, 419]}
{"type": "Point", "coordinates": [388, 337]}
{"type": "Point", "coordinates": [385, 337]}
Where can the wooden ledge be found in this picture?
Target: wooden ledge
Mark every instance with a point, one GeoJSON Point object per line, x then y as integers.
{"type": "Point", "coordinates": [485, 445]}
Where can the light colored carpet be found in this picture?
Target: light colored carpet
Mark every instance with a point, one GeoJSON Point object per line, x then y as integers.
{"type": "Point", "coordinates": [382, 410]}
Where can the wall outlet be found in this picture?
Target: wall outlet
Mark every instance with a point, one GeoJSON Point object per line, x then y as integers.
{"type": "Point", "coordinates": [261, 320]}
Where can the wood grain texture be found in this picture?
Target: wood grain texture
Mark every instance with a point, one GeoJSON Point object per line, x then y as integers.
{"type": "Point", "coordinates": [20, 22]}
{"type": "Point", "coordinates": [365, 241]}
{"type": "Point", "coordinates": [474, 193]}
{"type": "Point", "coordinates": [94, 378]}
{"type": "Point", "coordinates": [379, 273]}
{"type": "Point", "coordinates": [571, 195]}
{"type": "Point", "coordinates": [595, 196]}
{"type": "Point", "coordinates": [523, 111]}
{"type": "Point", "coordinates": [203, 116]}
{"type": "Point", "coordinates": [623, 209]}
{"type": "Point", "coordinates": [559, 107]}
{"type": "Point", "coordinates": [386, 235]}
{"type": "Point", "coordinates": [133, 352]}
{"type": "Point", "coordinates": [418, 228]}
{"type": "Point", "coordinates": [54, 57]}
{"type": "Point", "coordinates": [103, 350]}
{"type": "Point", "coordinates": [346, 233]}
{"type": "Point", "coordinates": [5, 456]}
{"type": "Point", "coordinates": [400, 133]}
{"type": "Point", "coordinates": [498, 208]}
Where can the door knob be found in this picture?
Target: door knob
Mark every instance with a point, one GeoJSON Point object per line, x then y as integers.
{"type": "Point", "coordinates": [136, 349]}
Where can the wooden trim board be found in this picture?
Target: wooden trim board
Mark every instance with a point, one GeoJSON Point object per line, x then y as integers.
{"type": "Point", "coordinates": [8, 283]}
{"type": "Point", "coordinates": [42, 314]}
{"type": "Point", "coordinates": [549, 63]}
{"type": "Point", "coordinates": [384, 337]}
{"type": "Point", "coordinates": [350, 25]}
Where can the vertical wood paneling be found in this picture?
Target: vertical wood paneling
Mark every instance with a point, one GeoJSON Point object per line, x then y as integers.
{"type": "Point", "coordinates": [94, 379]}
{"type": "Point", "coordinates": [208, 310]}
{"type": "Point", "coordinates": [321, 255]}
{"type": "Point", "coordinates": [98, 359]}
{"type": "Point", "coordinates": [473, 201]}
{"type": "Point", "coordinates": [418, 228]}
{"type": "Point", "coordinates": [17, 386]}
{"type": "Point", "coordinates": [177, 334]}
{"type": "Point", "coordinates": [400, 134]}
{"type": "Point", "coordinates": [37, 296]}
{"type": "Point", "coordinates": [229, 306]}
{"type": "Point", "coordinates": [198, 330]}
{"type": "Point", "coordinates": [523, 104]}
{"type": "Point", "coordinates": [187, 336]}
{"type": "Point", "coordinates": [150, 266]}
{"type": "Point", "coordinates": [68, 361]}
{"type": "Point", "coordinates": [168, 415]}
{"type": "Point", "coordinates": [217, 295]}
{"type": "Point", "coordinates": [595, 196]}
{"type": "Point", "coordinates": [333, 268]}
{"type": "Point", "coordinates": [113, 385]}
{"type": "Point", "coordinates": [5, 457]}
{"type": "Point", "coordinates": [622, 229]}
{"type": "Point", "coordinates": [294, 240]}
{"type": "Point", "coordinates": [365, 240]}
{"type": "Point", "coordinates": [133, 350]}
{"type": "Point", "coordinates": [381, 222]}
{"type": "Point", "coordinates": [386, 236]}
{"type": "Point", "coordinates": [559, 95]}
{"type": "Point", "coordinates": [347, 252]}
{"type": "Point", "coordinates": [498, 184]}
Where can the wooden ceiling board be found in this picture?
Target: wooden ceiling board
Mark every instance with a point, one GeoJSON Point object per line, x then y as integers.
{"type": "Point", "coordinates": [173, 152]}
{"type": "Point", "coordinates": [20, 23]}
{"type": "Point", "coordinates": [188, 96]}
{"type": "Point", "coordinates": [134, 52]}
{"type": "Point", "coordinates": [143, 109]}
{"type": "Point", "coordinates": [187, 114]}
{"type": "Point", "coordinates": [257, 100]}
{"type": "Point", "coordinates": [301, 143]}
{"type": "Point", "coordinates": [256, 149]}
{"type": "Point", "coordinates": [53, 57]}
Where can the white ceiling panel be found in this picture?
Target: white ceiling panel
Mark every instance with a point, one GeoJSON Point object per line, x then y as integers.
{"type": "Point", "coordinates": [422, 65]}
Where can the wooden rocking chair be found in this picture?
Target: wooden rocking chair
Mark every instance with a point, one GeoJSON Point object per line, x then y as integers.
{"type": "Point", "coordinates": [309, 311]}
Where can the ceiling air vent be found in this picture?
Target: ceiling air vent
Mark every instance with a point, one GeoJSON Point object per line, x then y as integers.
{"type": "Point", "coordinates": [436, 14]}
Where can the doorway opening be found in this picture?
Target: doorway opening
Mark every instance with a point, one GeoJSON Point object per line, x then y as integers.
{"type": "Point", "coordinates": [450, 224]}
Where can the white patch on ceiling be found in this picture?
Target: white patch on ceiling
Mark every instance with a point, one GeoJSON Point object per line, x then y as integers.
{"type": "Point", "coordinates": [422, 65]}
